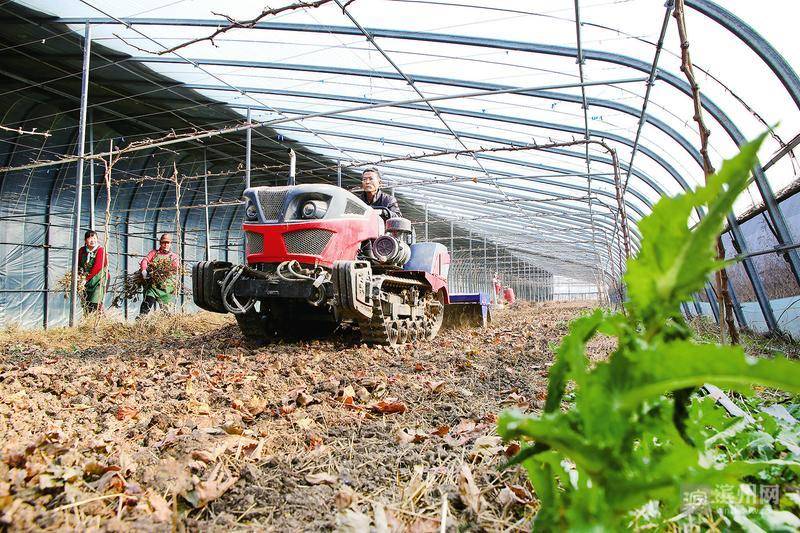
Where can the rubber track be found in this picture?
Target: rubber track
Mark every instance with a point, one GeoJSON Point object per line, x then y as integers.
{"type": "Point", "coordinates": [376, 329]}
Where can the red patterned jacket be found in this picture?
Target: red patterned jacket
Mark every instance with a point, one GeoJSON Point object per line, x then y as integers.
{"type": "Point", "coordinates": [100, 261]}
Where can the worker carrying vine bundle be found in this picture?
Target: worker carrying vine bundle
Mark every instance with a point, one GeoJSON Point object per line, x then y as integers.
{"type": "Point", "coordinates": [374, 197]}
{"type": "Point", "coordinates": [498, 284]}
{"type": "Point", "coordinates": [92, 260]}
{"type": "Point", "coordinates": [159, 271]}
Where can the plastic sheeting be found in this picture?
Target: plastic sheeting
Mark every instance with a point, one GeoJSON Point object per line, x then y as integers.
{"type": "Point", "coordinates": [539, 204]}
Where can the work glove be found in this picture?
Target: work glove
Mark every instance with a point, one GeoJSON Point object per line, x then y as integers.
{"type": "Point", "coordinates": [144, 274]}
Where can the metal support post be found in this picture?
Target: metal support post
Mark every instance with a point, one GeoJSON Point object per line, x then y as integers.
{"type": "Point", "coordinates": [91, 173]}
{"type": "Point", "coordinates": [497, 271]}
{"type": "Point", "coordinates": [696, 303]}
{"type": "Point", "coordinates": [527, 281]}
{"type": "Point", "coordinates": [486, 277]}
{"type": "Point", "coordinates": [426, 221]}
{"type": "Point", "coordinates": [248, 151]}
{"type": "Point", "coordinates": [737, 308]}
{"type": "Point", "coordinates": [339, 173]}
{"type": "Point", "coordinates": [740, 245]}
{"type": "Point", "coordinates": [452, 245]}
{"type": "Point", "coordinates": [76, 223]}
{"type": "Point", "coordinates": [712, 300]}
{"type": "Point", "coordinates": [471, 266]}
{"type": "Point", "coordinates": [292, 168]}
{"type": "Point", "coordinates": [205, 201]}
{"type": "Point", "coordinates": [46, 265]}
{"type": "Point", "coordinates": [125, 266]}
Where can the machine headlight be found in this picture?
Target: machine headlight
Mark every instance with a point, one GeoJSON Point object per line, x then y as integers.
{"type": "Point", "coordinates": [314, 209]}
{"type": "Point", "coordinates": [251, 211]}
{"type": "Point", "coordinates": [385, 247]}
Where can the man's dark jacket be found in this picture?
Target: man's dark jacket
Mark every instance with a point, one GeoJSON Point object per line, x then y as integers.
{"type": "Point", "coordinates": [381, 199]}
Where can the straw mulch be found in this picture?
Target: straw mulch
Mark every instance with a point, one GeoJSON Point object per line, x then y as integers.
{"type": "Point", "coordinates": [174, 423]}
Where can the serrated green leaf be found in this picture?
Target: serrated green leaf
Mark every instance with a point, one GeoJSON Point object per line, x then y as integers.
{"type": "Point", "coordinates": [552, 430]}
{"type": "Point", "coordinates": [570, 360]}
{"type": "Point", "coordinates": [674, 260]}
{"type": "Point", "coordinates": [683, 364]}
{"type": "Point", "coordinates": [628, 433]}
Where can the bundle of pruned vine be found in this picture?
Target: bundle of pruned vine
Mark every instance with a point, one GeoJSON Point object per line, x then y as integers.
{"type": "Point", "coordinates": [129, 286]}
{"type": "Point", "coordinates": [64, 284]}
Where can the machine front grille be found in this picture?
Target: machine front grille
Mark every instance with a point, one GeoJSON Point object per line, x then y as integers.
{"type": "Point", "coordinates": [307, 241]}
{"type": "Point", "coordinates": [255, 242]}
{"type": "Point", "coordinates": [271, 200]}
{"type": "Point", "coordinates": [352, 208]}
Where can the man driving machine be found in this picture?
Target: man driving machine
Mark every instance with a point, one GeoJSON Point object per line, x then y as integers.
{"type": "Point", "coordinates": [374, 197]}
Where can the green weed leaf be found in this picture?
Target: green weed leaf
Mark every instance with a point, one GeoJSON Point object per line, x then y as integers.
{"type": "Point", "coordinates": [674, 260]}
{"type": "Point", "coordinates": [635, 433]}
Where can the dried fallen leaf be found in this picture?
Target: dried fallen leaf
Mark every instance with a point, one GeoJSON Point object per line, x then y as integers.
{"type": "Point", "coordinates": [465, 425]}
{"type": "Point", "coordinates": [435, 386]}
{"type": "Point", "coordinates": [468, 490]}
{"type": "Point", "coordinates": [489, 418]}
{"type": "Point", "coordinates": [416, 486]}
{"type": "Point", "coordinates": [405, 436]}
{"type": "Point", "coordinates": [506, 497]}
{"type": "Point", "coordinates": [344, 498]}
{"type": "Point", "coordinates": [388, 407]}
{"type": "Point", "coordinates": [487, 446]}
{"type": "Point", "coordinates": [314, 441]}
{"type": "Point", "coordinates": [170, 438]}
{"type": "Point", "coordinates": [348, 393]}
{"type": "Point", "coordinates": [93, 468]}
{"type": "Point", "coordinates": [394, 522]}
{"type": "Point", "coordinates": [161, 509]}
{"type": "Point", "coordinates": [362, 394]}
{"type": "Point", "coordinates": [303, 399]}
{"type": "Point", "coordinates": [124, 412]}
{"type": "Point", "coordinates": [321, 478]}
{"type": "Point", "coordinates": [517, 400]}
{"type": "Point", "coordinates": [253, 450]}
{"type": "Point", "coordinates": [211, 489]}
{"type": "Point", "coordinates": [47, 481]}
{"type": "Point", "coordinates": [203, 455]}
{"type": "Point", "coordinates": [256, 405]}
{"type": "Point", "coordinates": [350, 521]}
{"type": "Point", "coordinates": [381, 522]}
{"type": "Point", "coordinates": [199, 408]}
{"type": "Point", "coordinates": [126, 464]}
{"type": "Point", "coordinates": [512, 449]}
{"type": "Point", "coordinates": [521, 493]}
{"type": "Point", "coordinates": [304, 423]}
{"type": "Point", "coordinates": [424, 524]}
{"type": "Point", "coordinates": [441, 431]}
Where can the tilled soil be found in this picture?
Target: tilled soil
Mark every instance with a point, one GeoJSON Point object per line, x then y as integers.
{"type": "Point", "coordinates": [177, 423]}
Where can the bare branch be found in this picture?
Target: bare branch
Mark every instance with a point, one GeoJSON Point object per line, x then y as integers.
{"type": "Point", "coordinates": [25, 132]}
{"type": "Point", "coordinates": [232, 24]}
{"type": "Point", "coordinates": [724, 301]}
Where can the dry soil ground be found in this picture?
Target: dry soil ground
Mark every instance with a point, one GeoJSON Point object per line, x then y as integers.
{"type": "Point", "coordinates": [176, 423]}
